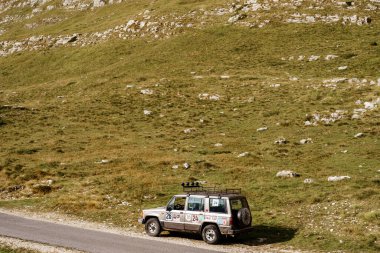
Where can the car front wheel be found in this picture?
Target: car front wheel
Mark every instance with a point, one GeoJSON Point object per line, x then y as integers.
{"type": "Point", "coordinates": [211, 234]}
{"type": "Point", "coordinates": [152, 227]}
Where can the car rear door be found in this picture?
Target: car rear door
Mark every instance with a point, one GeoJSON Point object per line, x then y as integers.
{"type": "Point", "coordinates": [194, 214]}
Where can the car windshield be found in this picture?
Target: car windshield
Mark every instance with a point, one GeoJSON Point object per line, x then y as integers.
{"type": "Point", "coordinates": [177, 203]}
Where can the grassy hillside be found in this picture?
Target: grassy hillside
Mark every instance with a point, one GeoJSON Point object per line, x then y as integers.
{"type": "Point", "coordinates": [79, 136]}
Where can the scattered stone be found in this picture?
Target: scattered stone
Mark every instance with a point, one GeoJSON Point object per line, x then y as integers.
{"type": "Point", "coordinates": [359, 135]}
{"type": "Point", "coordinates": [342, 67]}
{"type": "Point", "coordinates": [218, 145]}
{"type": "Point", "coordinates": [68, 3]}
{"type": "Point", "coordinates": [98, 3]}
{"type": "Point", "coordinates": [287, 173]}
{"type": "Point", "coordinates": [103, 161]}
{"type": "Point", "coordinates": [47, 182]}
{"type": "Point", "coordinates": [149, 197]}
{"type": "Point", "coordinates": [67, 39]}
{"type": "Point", "coordinates": [337, 178]}
{"type": "Point", "coordinates": [308, 123]}
{"type": "Point", "coordinates": [357, 114]}
{"type": "Point", "coordinates": [125, 203]}
{"type": "Point", "coordinates": [280, 141]}
{"type": "Point", "coordinates": [186, 166]}
{"type": "Point", "coordinates": [236, 18]}
{"type": "Point", "coordinates": [224, 77]}
{"type": "Point", "coordinates": [243, 154]}
{"type": "Point", "coordinates": [147, 112]}
{"type": "Point", "coordinates": [308, 181]}
{"type": "Point", "coordinates": [344, 151]}
{"type": "Point", "coordinates": [206, 96]}
{"type": "Point", "coordinates": [356, 20]}
{"type": "Point", "coordinates": [330, 57]}
{"type": "Point", "coordinates": [146, 92]}
{"type": "Point", "coordinates": [175, 166]}
{"type": "Point", "coordinates": [188, 130]}
{"type": "Point", "coordinates": [276, 85]}
{"type": "Point", "coordinates": [314, 58]}
{"type": "Point", "coordinates": [214, 97]}
{"type": "Point", "coordinates": [370, 105]}
{"type": "Point", "coordinates": [326, 119]}
{"type": "Point", "coordinates": [335, 80]}
{"type": "Point", "coordinates": [301, 57]}
{"type": "Point", "coordinates": [305, 141]}
{"type": "Point", "coordinates": [261, 129]}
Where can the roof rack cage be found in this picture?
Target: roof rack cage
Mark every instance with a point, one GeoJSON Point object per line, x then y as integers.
{"type": "Point", "coordinates": [196, 188]}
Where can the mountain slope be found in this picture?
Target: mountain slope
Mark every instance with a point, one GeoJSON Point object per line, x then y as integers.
{"type": "Point", "coordinates": [97, 103]}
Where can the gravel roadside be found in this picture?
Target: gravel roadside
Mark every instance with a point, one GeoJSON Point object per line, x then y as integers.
{"type": "Point", "coordinates": [14, 243]}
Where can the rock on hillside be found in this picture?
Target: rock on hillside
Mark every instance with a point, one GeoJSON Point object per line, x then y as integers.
{"type": "Point", "coordinates": [148, 24]}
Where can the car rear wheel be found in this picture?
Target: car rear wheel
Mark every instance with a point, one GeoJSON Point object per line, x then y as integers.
{"type": "Point", "coordinates": [211, 234]}
{"type": "Point", "coordinates": [152, 227]}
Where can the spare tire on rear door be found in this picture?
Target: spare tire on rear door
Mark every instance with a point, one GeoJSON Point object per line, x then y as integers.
{"type": "Point", "coordinates": [244, 216]}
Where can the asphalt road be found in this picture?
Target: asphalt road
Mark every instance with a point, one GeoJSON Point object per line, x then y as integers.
{"type": "Point", "coordinates": [84, 239]}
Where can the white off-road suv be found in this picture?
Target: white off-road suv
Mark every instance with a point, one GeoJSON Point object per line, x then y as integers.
{"type": "Point", "coordinates": [209, 211]}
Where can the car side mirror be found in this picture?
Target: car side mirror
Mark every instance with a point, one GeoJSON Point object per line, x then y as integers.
{"type": "Point", "coordinates": [169, 208]}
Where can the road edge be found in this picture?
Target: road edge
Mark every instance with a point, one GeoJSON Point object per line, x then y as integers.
{"type": "Point", "coordinates": [62, 219]}
{"type": "Point", "coordinates": [15, 243]}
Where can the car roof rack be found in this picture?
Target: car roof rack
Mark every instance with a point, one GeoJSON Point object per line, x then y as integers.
{"type": "Point", "coordinates": [195, 187]}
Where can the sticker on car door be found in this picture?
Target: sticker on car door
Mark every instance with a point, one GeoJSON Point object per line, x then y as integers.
{"type": "Point", "coordinates": [168, 216]}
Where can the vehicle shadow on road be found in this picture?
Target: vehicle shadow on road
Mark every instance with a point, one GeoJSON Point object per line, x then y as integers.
{"type": "Point", "coordinates": [261, 235]}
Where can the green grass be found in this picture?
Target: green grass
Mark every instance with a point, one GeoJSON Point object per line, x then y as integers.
{"type": "Point", "coordinates": [80, 111]}
{"type": "Point", "coordinates": [6, 249]}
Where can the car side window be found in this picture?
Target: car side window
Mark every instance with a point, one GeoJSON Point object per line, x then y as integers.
{"type": "Point", "coordinates": [218, 205]}
{"type": "Point", "coordinates": [195, 204]}
{"type": "Point", "coordinates": [177, 203]}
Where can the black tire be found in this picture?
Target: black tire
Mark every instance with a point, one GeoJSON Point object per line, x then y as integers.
{"type": "Point", "coordinates": [244, 217]}
{"type": "Point", "coordinates": [152, 227]}
{"type": "Point", "coordinates": [211, 234]}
